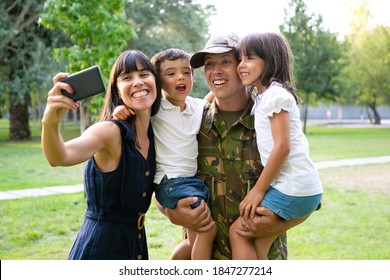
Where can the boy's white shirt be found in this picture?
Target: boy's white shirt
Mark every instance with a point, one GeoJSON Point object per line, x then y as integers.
{"type": "Point", "coordinates": [175, 134]}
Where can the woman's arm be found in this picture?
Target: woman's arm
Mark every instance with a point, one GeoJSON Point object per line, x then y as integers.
{"type": "Point", "coordinates": [96, 138]}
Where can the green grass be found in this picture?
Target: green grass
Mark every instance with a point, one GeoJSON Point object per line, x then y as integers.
{"type": "Point", "coordinates": [338, 143]}
{"type": "Point", "coordinates": [40, 227]}
{"type": "Point", "coordinates": [353, 223]}
{"type": "Point", "coordinates": [44, 228]}
{"type": "Point", "coordinates": [23, 164]}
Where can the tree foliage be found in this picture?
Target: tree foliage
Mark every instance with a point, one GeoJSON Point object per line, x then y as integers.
{"type": "Point", "coordinates": [24, 60]}
{"type": "Point", "coordinates": [101, 29]}
{"type": "Point", "coordinates": [80, 33]}
{"type": "Point", "coordinates": [316, 51]}
{"type": "Point", "coordinates": [99, 33]}
{"type": "Point", "coordinates": [162, 24]}
{"type": "Point", "coordinates": [367, 67]}
{"type": "Point", "coordinates": [97, 29]}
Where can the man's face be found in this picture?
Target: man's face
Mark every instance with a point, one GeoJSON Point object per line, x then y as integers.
{"type": "Point", "coordinates": [221, 74]}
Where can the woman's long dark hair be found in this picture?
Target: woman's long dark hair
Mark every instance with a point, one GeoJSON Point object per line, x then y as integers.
{"type": "Point", "coordinates": [274, 49]}
{"type": "Point", "coordinates": [125, 63]}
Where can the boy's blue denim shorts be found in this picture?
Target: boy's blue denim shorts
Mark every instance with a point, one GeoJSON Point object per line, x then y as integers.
{"type": "Point", "coordinates": [169, 191]}
{"type": "Point", "coordinates": [289, 207]}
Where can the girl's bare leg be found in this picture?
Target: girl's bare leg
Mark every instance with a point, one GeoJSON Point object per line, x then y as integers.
{"type": "Point", "coordinates": [262, 246]}
{"type": "Point", "coordinates": [242, 247]}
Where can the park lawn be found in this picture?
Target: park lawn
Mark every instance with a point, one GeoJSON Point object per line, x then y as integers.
{"type": "Point", "coordinates": [340, 143]}
{"type": "Point", "coordinates": [23, 164]}
{"type": "Point", "coordinates": [353, 224]}
{"type": "Point", "coordinates": [354, 220]}
{"type": "Point", "coordinates": [44, 228]}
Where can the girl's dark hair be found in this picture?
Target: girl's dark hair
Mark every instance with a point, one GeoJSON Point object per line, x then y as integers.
{"type": "Point", "coordinates": [274, 49]}
{"type": "Point", "coordinates": [125, 63]}
{"type": "Point", "coordinates": [168, 54]}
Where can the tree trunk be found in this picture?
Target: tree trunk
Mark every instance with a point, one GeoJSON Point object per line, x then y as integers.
{"type": "Point", "coordinates": [377, 118]}
{"type": "Point", "coordinates": [19, 128]}
{"type": "Point", "coordinates": [369, 114]}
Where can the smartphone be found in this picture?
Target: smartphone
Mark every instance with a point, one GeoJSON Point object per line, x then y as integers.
{"type": "Point", "coordinates": [85, 83]}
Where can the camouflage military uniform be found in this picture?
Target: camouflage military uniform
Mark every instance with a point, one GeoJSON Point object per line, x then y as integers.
{"type": "Point", "coordinates": [230, 164]}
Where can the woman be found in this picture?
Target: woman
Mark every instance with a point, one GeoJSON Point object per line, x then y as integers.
{"type": "Point", "coordinates": [121, 159]}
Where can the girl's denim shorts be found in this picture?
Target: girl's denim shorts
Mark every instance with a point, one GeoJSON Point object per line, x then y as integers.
{"type": "Point", "coordinates": [289, 207]}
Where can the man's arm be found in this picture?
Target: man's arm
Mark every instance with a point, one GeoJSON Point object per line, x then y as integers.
{"type": "Point", "coordinates": [198, 219]}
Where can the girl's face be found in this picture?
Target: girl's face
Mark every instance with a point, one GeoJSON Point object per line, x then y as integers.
{"type": "Point", "coordinates": [250, 70]}
{"type": "Point", "coordinates": [176, 80]}
{"type": "Point", "coordinates": [137, 89]}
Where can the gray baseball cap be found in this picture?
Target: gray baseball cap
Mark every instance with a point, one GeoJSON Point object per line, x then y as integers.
{"type": "Point", "coordinates": [216, 44]}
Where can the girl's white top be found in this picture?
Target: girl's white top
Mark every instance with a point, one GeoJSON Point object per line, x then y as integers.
{"type": "Point", "coordinates": [175, 135]}
{"type": "Point", "coordinates": [298, 176]}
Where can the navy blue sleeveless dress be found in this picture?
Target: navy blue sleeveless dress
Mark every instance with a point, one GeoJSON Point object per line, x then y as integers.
{"type": "Point", "coordinates": [117, 201]}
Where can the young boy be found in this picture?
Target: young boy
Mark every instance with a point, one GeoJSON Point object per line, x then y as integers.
{"type": "Point", "coordinates": [176, 126]}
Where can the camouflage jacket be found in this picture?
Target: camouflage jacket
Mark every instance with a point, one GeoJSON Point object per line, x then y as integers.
{"type": "Point", "coordinates": [229, 162]}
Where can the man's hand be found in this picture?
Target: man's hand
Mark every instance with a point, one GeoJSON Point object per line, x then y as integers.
{"type": "Point", "coordinates": [266, 223]}
{"type": "Point", "coordinates": [198, 219]}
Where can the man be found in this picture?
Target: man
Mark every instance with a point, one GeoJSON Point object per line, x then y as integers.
{"type": "Point", "coordinates": [228, 159]}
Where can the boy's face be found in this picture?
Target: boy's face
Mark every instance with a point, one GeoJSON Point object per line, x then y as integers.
{"type": "Point", "coordinates": [176, 80]}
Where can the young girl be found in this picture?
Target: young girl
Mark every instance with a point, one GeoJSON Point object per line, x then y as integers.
{"type": "Point", "coordinates": [121, 160]}
{"type": "Point", "coordinates": [289, 185]}
{"type": "Point", "coordinates": [176, 126]}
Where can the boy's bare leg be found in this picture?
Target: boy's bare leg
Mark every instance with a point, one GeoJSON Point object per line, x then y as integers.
{"type": "Point", "coordinates": [184, 248]}
{"type": "Point", "coordinates": [203, 244]}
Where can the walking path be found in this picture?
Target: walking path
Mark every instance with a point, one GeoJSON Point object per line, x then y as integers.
{"type": "Point", "coordinates": [45, 191]}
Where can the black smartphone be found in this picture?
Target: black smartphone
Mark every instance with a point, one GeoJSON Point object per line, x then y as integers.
{"type": "Point", "coordinates": [85, 83]}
